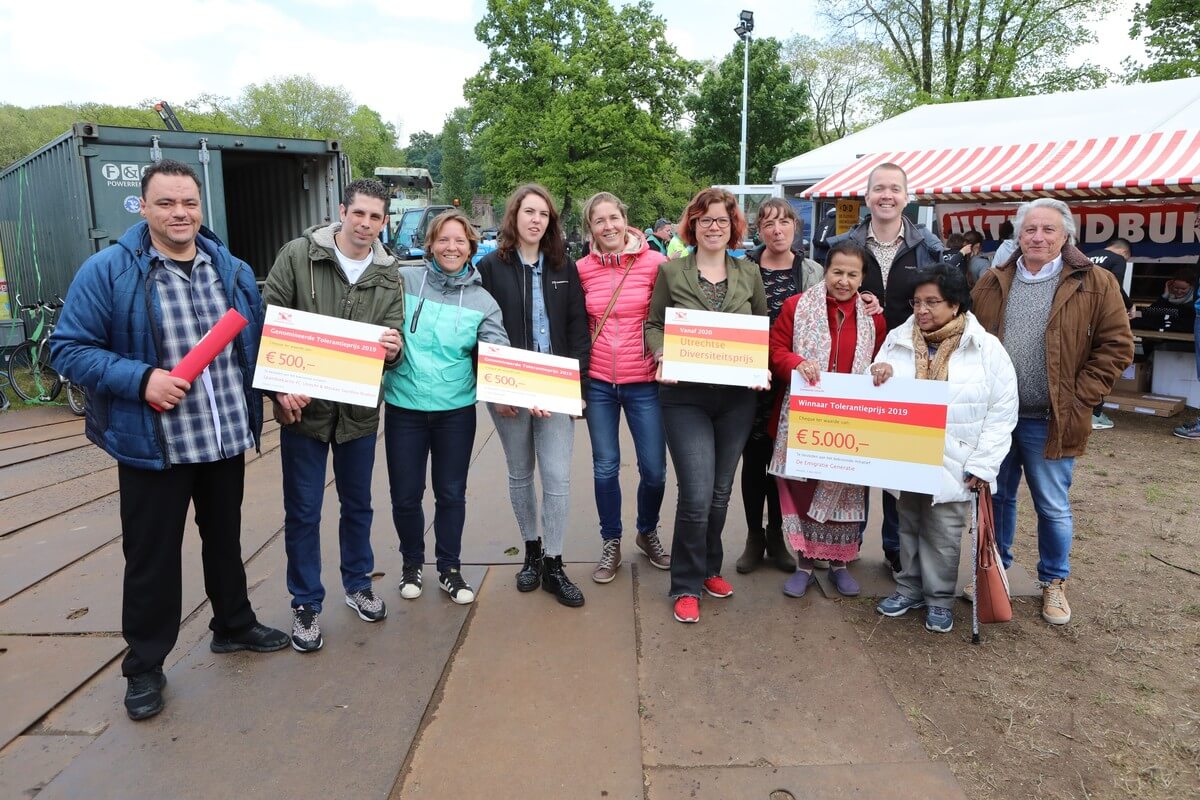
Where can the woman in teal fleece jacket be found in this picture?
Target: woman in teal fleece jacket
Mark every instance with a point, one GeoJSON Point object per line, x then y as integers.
{"type": "Point", "coordinates": [430, 400]}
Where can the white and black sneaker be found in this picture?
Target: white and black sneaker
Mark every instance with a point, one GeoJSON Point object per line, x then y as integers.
{"type": "Point", "coordinates": [306, 632]}
{"type": "Point", "coordinates": [369, 607]}
{"type": "Point", "coordinates": [410, 582]}
{"type": "Point", "coordinates": [458, 589]}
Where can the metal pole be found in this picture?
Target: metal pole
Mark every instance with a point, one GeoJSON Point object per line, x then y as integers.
{"type": "Point", "coordinates": [745, 100]}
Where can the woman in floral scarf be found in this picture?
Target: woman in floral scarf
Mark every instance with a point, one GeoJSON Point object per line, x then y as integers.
{"type": "Point", "coordinates": [826, 329]}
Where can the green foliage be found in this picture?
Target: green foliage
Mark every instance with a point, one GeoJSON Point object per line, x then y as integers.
{"type": "Point", "coordinates": [580, 97]}
{"type": "Point", "coordinates": [294, 106]}
{"type": "Point", "coordinates": [1172, 30]}
{"type": "Point", "coordinates": [454, 164]}
{"type": "Point", "coordinates": [972, 50]}
{"type": "Point", "coordinates": [777, 125]}
{"type": "Point", "coordinates": [842, 77]}
{"type": "Point", "coordinates": [425, 150]}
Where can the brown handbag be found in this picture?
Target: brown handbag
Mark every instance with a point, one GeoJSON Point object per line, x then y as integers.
{"type": "Point", "coordinates": [992, 600]}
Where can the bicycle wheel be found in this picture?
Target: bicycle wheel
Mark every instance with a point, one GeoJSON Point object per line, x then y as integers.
{"type": "Point", "coordinates": [33, 381]}
{"type": "Point", "coordinates": [76, 399]}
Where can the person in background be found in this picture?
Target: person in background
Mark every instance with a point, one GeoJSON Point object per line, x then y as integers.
{"type": "Point", "coordinates": [538, 291]}
{"type": "Point", "coordinates": [896, 250]}
{"type": "Point", "coordinates": [1064, 325]}
{"type": "Point", "coordinates": [1192, 430]}
{"type": "Point", "coordinates": [977, 263]}
{"type": "Point", "coordinates": [826, 329]}
{"type": "Point", "coordinates": [1115, 258]}
{"type": "Point", "coordinates": [429, 398]}
{"type": "Point", "coordinates": [133, 311]}
{"type": "Point", "coordinates": [1008, 245]}
{"type": "Point", "coordinates": [677, 248]}
{"type": "Point", "coordinates": [784, 273]}
{"type": "Point", "coordinates": [943, 341]}
{"type": "Point", "coordinates": [618, 277]}
{"type": "Point", "coordinates": [659, 237]}
{"type": "Point", "coordinates": [706, 424]}
{"type": "Point", "coordinates": [340, 270]}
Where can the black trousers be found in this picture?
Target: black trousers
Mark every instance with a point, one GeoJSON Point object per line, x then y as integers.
{"type": "Point", "coordinates": [154, 507]}
{"type": "Point", "coordinates": [757, 486]}
{"type": "Point", "coordinates": [707, 428]}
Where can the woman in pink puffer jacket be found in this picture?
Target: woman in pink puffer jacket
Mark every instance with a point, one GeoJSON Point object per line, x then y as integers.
{"type": "Point", "coordinates": [623, 266]}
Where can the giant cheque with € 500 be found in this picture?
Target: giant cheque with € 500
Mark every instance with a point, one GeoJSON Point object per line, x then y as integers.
{"type": "Point", "coordinates": [320, 356]}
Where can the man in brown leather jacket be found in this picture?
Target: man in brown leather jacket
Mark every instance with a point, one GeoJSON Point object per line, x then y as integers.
{"type": "Point", "coordinates": [1063, 323]}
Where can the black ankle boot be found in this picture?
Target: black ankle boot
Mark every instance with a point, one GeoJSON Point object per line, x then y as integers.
{"type": "Point", "coordinates": [531, 573]}
{"type": "Point", "coordinates": [555, 581]}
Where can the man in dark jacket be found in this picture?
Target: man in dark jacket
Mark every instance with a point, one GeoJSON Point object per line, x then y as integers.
{"type": "Point", "coordinates": [133, 311]}
{"type": "Point", "coordinates": [896, 250]}
{"type": "Point", "coordinates": [340, 270]}
{"type": "Point", "coordinates": [660, 235]}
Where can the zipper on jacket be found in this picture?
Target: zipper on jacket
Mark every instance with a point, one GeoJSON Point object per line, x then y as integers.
{"type": "Point", "coordinates": [160, 433]}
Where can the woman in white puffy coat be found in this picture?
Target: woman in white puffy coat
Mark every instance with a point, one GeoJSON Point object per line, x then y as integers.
{"type": "Point", "coordinates": [942, 340]}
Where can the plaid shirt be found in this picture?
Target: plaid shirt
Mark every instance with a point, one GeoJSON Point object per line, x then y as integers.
{"type": "Point", "coordinates": [205, 426]}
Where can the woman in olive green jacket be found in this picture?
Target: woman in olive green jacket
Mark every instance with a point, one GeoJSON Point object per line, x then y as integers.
{"type": "Point", "coordinates": [707, 425]}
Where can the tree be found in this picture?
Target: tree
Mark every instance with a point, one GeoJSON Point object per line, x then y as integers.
{"type": "Point", "coordinates": [580, 97]}
{"type": "Point", "coordinates": [777, 126]}
{"type": "Point", "coordinates": [1172, 29]}
{"type": "Point", "coordinates": [454, 164]}
{"type": "Point", "coordinates": [297, 105]}
{"type": "Point", "coordinates": [974, 49]}
{"type": "Point", "coordinates": [843, 81]}
{"type": "Point", "coordinates": [425, 150]}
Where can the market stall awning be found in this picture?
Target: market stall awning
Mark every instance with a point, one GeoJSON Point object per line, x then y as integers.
{"type": "Point", "coordinates": [1152, 164]}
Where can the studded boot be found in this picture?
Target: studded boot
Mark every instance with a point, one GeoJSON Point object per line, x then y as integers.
{"type": "Point", "coordinates": [531, 573]}
{"type": "Point", "coordinates": [555, 581]}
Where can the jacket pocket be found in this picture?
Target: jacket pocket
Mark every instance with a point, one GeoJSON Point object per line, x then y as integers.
{"type": "Point", "coordinates": [1077, 426]}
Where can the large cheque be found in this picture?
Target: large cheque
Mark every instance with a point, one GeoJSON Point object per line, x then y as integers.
{"type": "Point", "coordinates": [714, 347]}
{"type": "Point", "coordinates": [846, 429]}
{"type": "Point", "coordinates": [319, 356]}
{"type": "Point", "coordinates": [514, 377]}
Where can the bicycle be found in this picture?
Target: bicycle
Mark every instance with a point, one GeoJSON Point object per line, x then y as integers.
{"type": "Point", "coordinates": [30, 373]}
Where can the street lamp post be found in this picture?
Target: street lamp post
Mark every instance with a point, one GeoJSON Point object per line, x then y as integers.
{"type": "Point", "coordinates": [743, 30]}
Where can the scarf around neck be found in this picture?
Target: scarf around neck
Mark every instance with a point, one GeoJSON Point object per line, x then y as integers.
{"type": "Point", "coordinates": [945, 339]}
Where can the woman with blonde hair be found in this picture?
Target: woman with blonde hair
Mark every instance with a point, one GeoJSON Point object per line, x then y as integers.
{"type": "Point", "coordinates": [618, 276]}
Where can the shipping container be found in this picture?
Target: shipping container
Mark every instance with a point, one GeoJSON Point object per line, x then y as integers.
{"type": "Point", "coordinates": [81, 192]}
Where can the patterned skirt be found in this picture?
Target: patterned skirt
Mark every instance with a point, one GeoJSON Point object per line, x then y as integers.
{"type": "Point", "coordinates": [833, 541]}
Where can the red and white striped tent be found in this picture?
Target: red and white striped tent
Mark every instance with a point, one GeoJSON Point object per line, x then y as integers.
{"type": "Point", "coordinates": [1160, 163]}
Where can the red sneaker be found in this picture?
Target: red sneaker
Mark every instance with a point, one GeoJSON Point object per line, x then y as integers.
{"type": "Point", "coordinates": [718, 586]}
{"type": "Point", "coordinates": [687, 609]}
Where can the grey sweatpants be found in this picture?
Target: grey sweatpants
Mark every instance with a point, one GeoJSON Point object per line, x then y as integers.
{"type": "Point", "coordinates": [547, 444]}
{"type": "Point", "coordinates": [930, 546]}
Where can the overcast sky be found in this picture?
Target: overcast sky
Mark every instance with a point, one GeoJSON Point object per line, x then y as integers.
{"type": "Point", "coordinates": [405, 58]}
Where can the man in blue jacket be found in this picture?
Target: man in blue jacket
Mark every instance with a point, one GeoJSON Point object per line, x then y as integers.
{"type": "Point", "coordinates": [133, 311]}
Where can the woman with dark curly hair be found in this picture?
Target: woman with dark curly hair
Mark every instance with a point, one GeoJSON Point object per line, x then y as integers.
{"type": "Point", "coordinates": [707, 425]}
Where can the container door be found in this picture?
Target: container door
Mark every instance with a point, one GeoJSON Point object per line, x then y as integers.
{"type": "Point", "coordinates": [115, 172]}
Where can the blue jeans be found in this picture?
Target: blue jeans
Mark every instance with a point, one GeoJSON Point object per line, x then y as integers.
{"type": "Point", "coordinates": [644, 417]}
{"type": "Point", "coordinates": [1049, 482]}
{"type": "Point", "coordinates": [707, 428]}
{"type": "Point", "coordinates": [409, 438]}
{"type": "Point", "coordinates": [303, 490]}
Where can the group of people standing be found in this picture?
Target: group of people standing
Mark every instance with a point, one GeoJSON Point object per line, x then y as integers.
{"type": "Point", "coordinates": [1027, 355]}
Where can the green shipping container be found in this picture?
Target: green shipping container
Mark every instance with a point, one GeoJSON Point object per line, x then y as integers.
{"type": "Point", "coordinates": [80, 193]}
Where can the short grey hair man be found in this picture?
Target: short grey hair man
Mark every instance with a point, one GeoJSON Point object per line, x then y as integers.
{"type": "Point", "coordinates": [1046, 202]}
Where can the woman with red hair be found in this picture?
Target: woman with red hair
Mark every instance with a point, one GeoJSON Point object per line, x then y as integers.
{"type": "Point", "coordinates": [706, 424]}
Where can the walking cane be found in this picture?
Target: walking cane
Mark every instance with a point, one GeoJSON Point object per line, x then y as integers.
{"type": "Point", "coordinates": [975, 565]}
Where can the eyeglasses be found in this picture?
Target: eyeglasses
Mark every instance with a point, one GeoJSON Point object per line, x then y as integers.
{"type": "Point", "coordinates": [720, 222]}
{"type": "Point", "coordinates": [930, 304]}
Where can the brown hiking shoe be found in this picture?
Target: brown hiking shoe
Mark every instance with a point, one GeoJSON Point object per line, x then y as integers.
{"type": "Point", "coordinates": [610, 559]}
{"type": "Point", "coordinates": [652, 548]}
{"type": "Point", "coordinates": [1054, 603]}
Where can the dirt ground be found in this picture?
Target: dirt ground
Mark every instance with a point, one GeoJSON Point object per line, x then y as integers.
{"type": "Point", "coordinates": [1108, 706]}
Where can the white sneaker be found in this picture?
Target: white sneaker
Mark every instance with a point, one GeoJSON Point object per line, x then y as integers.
{"type": "Point", "coordinates": [410, 582]}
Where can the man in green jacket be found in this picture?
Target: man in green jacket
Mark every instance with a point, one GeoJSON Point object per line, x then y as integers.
{"type": "Point", "coordinates": [340, 270]}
